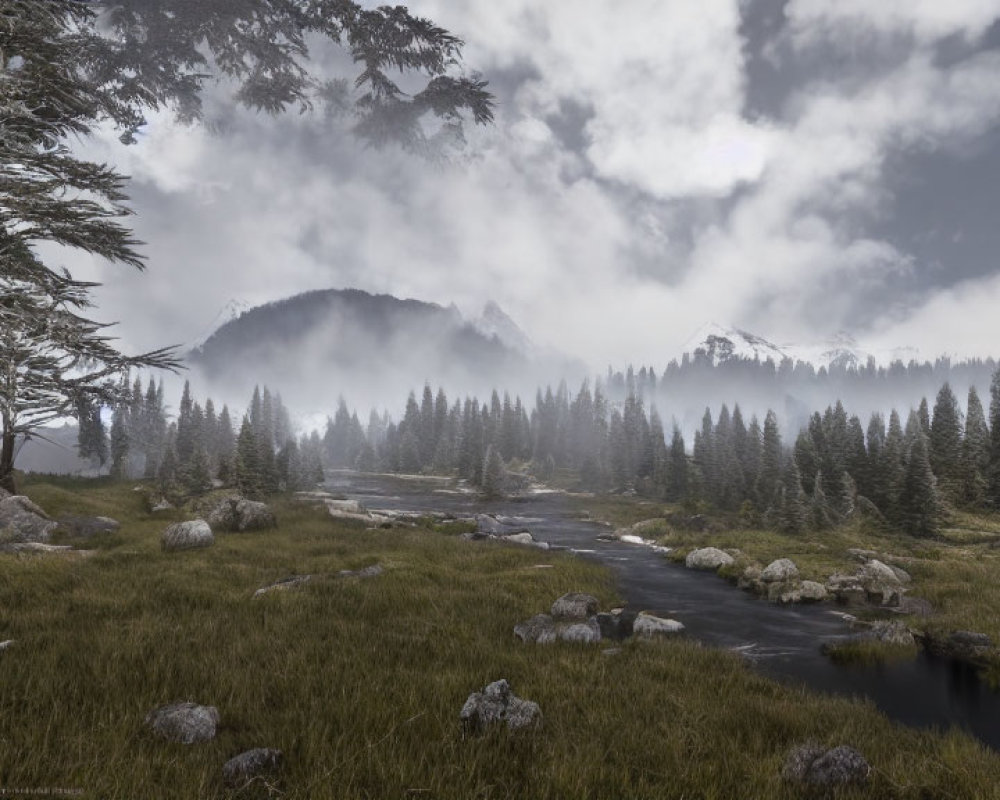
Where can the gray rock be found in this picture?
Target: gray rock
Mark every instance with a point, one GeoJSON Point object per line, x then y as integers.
{"type": "Point", "coordinates": [969, 639]}
{"type": "Point", "coordinates": [284, 584]}
{"type": "Point", "coordinates": [257, 763]}
{"type": "Point", "coordinates": [901, 574]}
{"type": "Point", "coordinates": [846, 589]}
{"type": "Point", "coordinates": [648, 626]}
{"type": "Point", "coordinates": [495, 705]}
{"type": "Point", "coordinates": [23, 521]}
{"type": "Point", "coordinates": [85, 527]}
{"type": "Point", "coordinates": [708, 558]}
{"type": "Point", "coordinates": [616, 625]}
{"type": "Point", "coordinates": [785, 592]}
{"type": "Point", "coordinates": [162, 505]}
{"type": "Point", "coordinates": [6, 644]}
{"type": "Point", "coordinates": [372, 571]}
{"type": "Point", "coordinates": [895, 633]}
{"type": "Point", "coordinates": [750, 579]}
{"type": "Point", "coordinates": [861, 555]}
{"type": "Point", "coordinates": [780, 570]}
{"type": "Point", "coordinates": [816, 766]}
{"type": "Point", "coordinates": [812, 592]}
{"type": "Point", "coordinates": [540, 629]}
{"type": "Point", "coordinates": [581, 632]}
{"type": "Point", "coordinates": [880, 582]}
{"type": "Point", "coordinates": [237, 515]}
{"type": "Point", "coordinates": [519, 538]}
{"type": "Point", "coordinates": [575, 605]}
{"type": "Point", "coordinates": [186, 723]}
{"type": "Point", "coordinates": [187, 535]}
{"type": "Point", "coordinates": [917, 606]}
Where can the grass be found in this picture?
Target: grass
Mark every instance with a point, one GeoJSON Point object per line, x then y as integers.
{"type": "Point", "coordinates": [360, 682]}
{"type": "Point", "coordinates": [865, 653]}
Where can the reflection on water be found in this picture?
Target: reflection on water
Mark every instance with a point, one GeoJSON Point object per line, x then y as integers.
{"type": "Point", "coordinates": [782, 641]}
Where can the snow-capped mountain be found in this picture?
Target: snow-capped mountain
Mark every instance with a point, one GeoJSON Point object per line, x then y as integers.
{"type": "Point", "coordinates": [843, 350]}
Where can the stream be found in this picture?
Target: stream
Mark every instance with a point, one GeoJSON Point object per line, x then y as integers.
{"type": "Point", "coordinates": [783, 642]}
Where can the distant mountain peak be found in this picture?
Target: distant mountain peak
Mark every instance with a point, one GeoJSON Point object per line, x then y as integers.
{"type": "Point", "coordinates": [494, 321]}
{"type": "Point", "coordinates": [233, 309]}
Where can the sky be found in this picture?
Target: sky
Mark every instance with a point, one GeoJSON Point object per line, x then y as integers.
{"type": "Point", "coordinates": [796, 168]}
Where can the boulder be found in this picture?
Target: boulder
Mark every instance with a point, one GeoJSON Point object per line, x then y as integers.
{"type": "Point", "coordinates": [4, 645]}
{"type": "Point", "coordinates": [187, 535]}
{"type": "Point", "coordinates": [575, 605]}
{"type": "Point", "coordinates": [539, 629]}
{"type": "Point", "coordinates": [496, 705]}
{"type": "Point", "coordinates": [708, 558]}
{"type": "Point", "coordinates": [812, 592]}
{"type": "Point", "coordinates": [894, 633]}
{"type": "Point", "coordinates": [846, 589]}
{"type": "Point", "coordinates": [784, 592]}
{"type": "Point", "coordinates": [372, 571]}
{"type": "Point", "coordinates": [616, 625]}
{"type": "Point", "coordinates": [781, 570]}
{"type": "Point", "coordinates": [185, 723]}
{"type": "Point", "coordinates": [880, 582]}
{"type": "Point", "coordinates": [815, 766]}
{"type": "Point", "coordinates": [284, 584]}
{"type": "Point", "coordinates": [648, 626]}
{"type": "Point", "coordinates": [257, 763]}
{"type": "Point", "coordinates": [581, 632]}
{"type": "Point", "coordinates": [237, 515]}
{"type": "Point", "coordinates": [750, 579]}
{"type": "Point", "coordinates": [23, 521]}
{"type": "Point", "coordinates": [85, 527]}
{"type": "Point", "coordinates": [519, 538]}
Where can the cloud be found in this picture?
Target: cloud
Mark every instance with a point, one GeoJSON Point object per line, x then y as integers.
{"type": "Point", "coordinates": [622, 199]}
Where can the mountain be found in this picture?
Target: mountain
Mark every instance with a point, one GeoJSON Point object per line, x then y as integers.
{"type": "Point", "coordinates": [842, 350]}
{"type": "Point", "coordinates": [372, 349]}
{"type": "Point", "coordinates": [234, 309]}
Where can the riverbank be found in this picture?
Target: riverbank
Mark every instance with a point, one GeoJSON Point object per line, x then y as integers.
{"type": "Point", "coordinates": [954, 577]}
{"type": "Point", "coordinates": [359, 681]}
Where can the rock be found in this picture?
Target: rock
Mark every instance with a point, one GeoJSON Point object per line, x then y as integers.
{"type": "Point", "coordinates": [519, 538]}
{"type": "Point", "coordinates": [816, 766]}
{"type": "Point", "coordinates": [187, 535]}
{"type": "Point", "coordinates": [237, 515]}
{"type": "Point", "coordinates": [581, 632]}
{"type": "Point", "coordinates": [846, 589]}
{"type": "Point", "coordinates": [185, 723]}
{"type": "Point", "coordinates": [964, 645]}
{"type": "Point", "coordinates": [782, 569]}
{"type": "Point", "coordinates": [786, 592]}
{"type": "Point", "coordinates": [616, 626]}
{"type": "Point", "coordinates": [6, 644]}
{"type": "Point", "coordinates": [497, 704]}
{"type": "Point", "coordinates": [914, 605]}
{"type": "Point", "coordinates": [539, 629]}
{"type": "Point", "coordinates": [4, 494]}
{"type": "Point", "coordinates": [750, 579]}
{"type": "Point", "coordinates": [812, 592]}
{"type": "Point", "coordinates": [969, 639]}
{"type": "Point", "coordinates": [575, 606]}
{"type": "Point", "coordinates": [708, 558]}
{"type": "Point", "coordinates": [648, 626]}
{"type": "Point", "coordinates": [365, 572]}
{"type": "Point", "coordinates": [257, 763]}
{"type": "Point", "coordinates": [894, 633]}
{"type": "Point", "coordinates": [861, 555]}
{"type": "Point", "coordinates": [85, 527]}
{"type": "Point", "coordinates": [162, 505]}
{"type": "Point", "coordinates": [284, 584]}
{"type": "Point", "coordinates": [901, 574]}
{"type": "Point", "coordinates": [880, 582]}
{"type": "Point", "coordinates": [23, 521]}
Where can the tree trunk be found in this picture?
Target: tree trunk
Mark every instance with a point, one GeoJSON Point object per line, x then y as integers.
{"type": "Point", "coordinates": [7, 461]}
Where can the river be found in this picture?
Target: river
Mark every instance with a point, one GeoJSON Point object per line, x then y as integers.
{"type": "Point", "coordinates": [782, 641]}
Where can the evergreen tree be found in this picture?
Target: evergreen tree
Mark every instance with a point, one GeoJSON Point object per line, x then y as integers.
{"type": "Point", "coordinates": [770, 461]}
{"type": "Point", "coordinates": [493, 473]}
{"type": "Point", "coordinates": [919, 502]}
{"type": "Point", "coordinates": [820, 513]}
{"type": "Point", "coordinates": [794, 514]}
{"type": "Point", "coordinates": [946, 443]}
{"type": "Point", "coordinates": [248, 472]}
{"type": "Point", "coordinates": [975, 451]}
{"type": "Point", "coordinates": [120, 442]}
{"type": "Point", "coordinates": [993, 473]}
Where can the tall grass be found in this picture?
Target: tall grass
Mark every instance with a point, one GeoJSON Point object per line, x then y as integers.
{"type": "Point", "coordinates": [359, 682]}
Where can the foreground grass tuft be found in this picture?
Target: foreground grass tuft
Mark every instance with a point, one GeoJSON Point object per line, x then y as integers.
{"type": "Point", "coordinates": [359, 681]}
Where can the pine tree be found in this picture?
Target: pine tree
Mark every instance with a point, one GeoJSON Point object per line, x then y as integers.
{"type": "Point", "coordinates": [120, 442]}
{"type": "Point", "coordinates": [919, 502]}
{"type": "Point", "coordinates": [946, 443]}
{"type": "Point", "coordinates": [493, 473]}
{"type": "Point", "coordinates": [993, 475]}
{"type": "Point", "coordinates": [247, 469]}
{"type": "Point", "coordinates": [820, 513]}
{"type": "Point", "coordinates": [975, 451]}
{"type": "Point", "coordinates": [794, 514]}
{"type": "Point", "coordinates": [770, 460]}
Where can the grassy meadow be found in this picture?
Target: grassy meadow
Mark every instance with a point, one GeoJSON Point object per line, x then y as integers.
{"type": "Point", "coordinates": [359, 682]}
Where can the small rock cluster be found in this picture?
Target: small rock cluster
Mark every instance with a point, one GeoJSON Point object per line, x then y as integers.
{"type": "Point", "coordinates": [496, 704]}
{"type": "Point", "coordinates": [574, 617]}
{"type": "Point", "coordinates": [821, 768]}
{"type": "Point", "coordinates": [489, 526]}
{"type": "Point", "coordinates": [779, 582]}
{"type": "Point", "coordinates": [190, 723]}
{"type": "Point", "coordinates": [874, 581]}
{"type": "Point", "coordinates": [237, 515]}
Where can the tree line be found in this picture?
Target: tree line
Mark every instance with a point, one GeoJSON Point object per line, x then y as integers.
{"type": "Point", "coordinates": [201, 448]}
{"type": "Point", "coordinates": [902, 474]}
